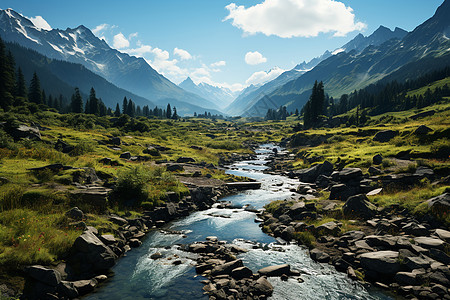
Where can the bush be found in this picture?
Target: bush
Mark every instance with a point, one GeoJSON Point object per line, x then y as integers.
{"type": "Point", "coordinates": [441, 148]}
{"type": "Point", "coordinates": [225, 145]}
{"type": "Point", "coordinates": [82, 148]}
{"type": "Point", "coordinates": [132, 185]}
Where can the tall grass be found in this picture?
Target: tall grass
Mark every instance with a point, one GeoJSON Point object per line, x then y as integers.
{"type": "Point", "coordinates": [30, 237]}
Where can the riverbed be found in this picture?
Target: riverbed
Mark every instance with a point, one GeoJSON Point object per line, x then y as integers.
{"type": "Point", "coordinates": [138, 276]}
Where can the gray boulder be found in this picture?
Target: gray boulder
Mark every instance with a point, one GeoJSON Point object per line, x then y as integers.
{"type": "Point", "coordinates": [85, 286]}
{"type": "Point", "coordinates": [125, 155]}
{"type": "Point", "coordinates": [428, 242]}
{"type": "Point", "coordinates": [185, 160]}
{"type": "Point", "coordinates": [310, 175]}
{"type": "Point", "coordinates": [377, 159]}
{"type": "Point", "coordinates": [75, 213]}
{"type": "Point", "coordinates": [330, 228]}
{"type": "Point", "coordinates": [350, 174]}
{"type": "Point", "coordinates": [241, 272]}
{"type": "Point", "coordinates": [422, 130]}
{"type": "Point", "coordinates": [262, 287]}
{"type": "Point", "coordinates": [383, 262]}
{"type": "Point", "coordinates": [226, 268]}
{"type": "Point", "coordinates": [319, 255]}
{"type": "Point", "coordinates": [443, 235]}
{"type": "Point", "coordinates": [277, 270]}
{"type": "Point", "coordinates": [359, 206]}
{"type": "Point", "coordinates": [25, 132]}
{"type": "Point", "coordinates": [45, 275]}
{"type": "Point", "coordinates": [97, 254]}
{"type": "Point", "coordinates": [384, 136]}
{"type": "Point", "coordinates": [440, 204]}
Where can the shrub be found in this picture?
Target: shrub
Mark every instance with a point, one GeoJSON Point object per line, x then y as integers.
{"type": "Point", "coordinates": [82, 148]}
{"type": "Point", "coordinates": [441, 148]}
{"type": "Point", "coordinates": [132, 185]}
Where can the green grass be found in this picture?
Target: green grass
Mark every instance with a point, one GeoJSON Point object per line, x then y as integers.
{"type": "Point", "coordinates": [29, 237]}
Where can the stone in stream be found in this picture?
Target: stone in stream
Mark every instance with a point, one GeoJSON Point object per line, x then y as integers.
{"type": "Point", "coordinates": [241, 272]}
{"type": "Point", "coordinates": [274, 271]}
{"type": "Point", "coordinates": [262, 287]}
{"type": "Point", "coordinates": [226, 268]}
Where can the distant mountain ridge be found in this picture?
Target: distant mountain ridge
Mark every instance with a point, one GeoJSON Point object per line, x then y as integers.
{"type": "Point", "coordinates": [80, 45]}
{"type": "Point", "coordinates": [218, 95]}
{"type": "Point", "coordinates": [349, 71]}
{"type": "Point", "coordinates": [260, 100]}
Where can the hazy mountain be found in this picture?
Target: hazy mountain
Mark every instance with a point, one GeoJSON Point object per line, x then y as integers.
{"type": "Point", "coordinates": [243, 104]}
{"type": "Point", "coordinates": [80, 45]}
{"type": "Point", "coordinates": [218, 95]}
{"type": "Point", "coordinates": [347, 71]}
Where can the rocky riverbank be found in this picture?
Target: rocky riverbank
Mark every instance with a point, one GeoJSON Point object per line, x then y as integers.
{"type": "Point", "coordinates": [393, 249]}
{"type": "Point", "coordinates": [93, 254]}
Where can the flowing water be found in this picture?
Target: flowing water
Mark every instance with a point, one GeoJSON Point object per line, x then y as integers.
{"type": "Point", "coordinates": [137, 276]}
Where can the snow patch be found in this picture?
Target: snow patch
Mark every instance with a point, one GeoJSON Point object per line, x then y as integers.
{"type": "Point", "coordinates": [75, 47]}
{"type": "Point", "coordinates": [63, 36]}
{"type": "Point", "coordinates": [73, 36]}
{"type": "Point", "coordinates": [337, 51]}
{"type": "Point", "coordinates": [56, 48]}
{"type": "Point", "coordinates": [23, 31]}
{"type": "Point", "coordinates": [119, 57]}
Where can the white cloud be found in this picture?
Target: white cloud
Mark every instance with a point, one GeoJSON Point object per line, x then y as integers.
{"type": "Point", "coordinates": [120, 41]}
{"type": "Point", "coordinates": [254, 58]}
{"type": "Point", "coordinates": [133, 35]}
{"type": "Point", "coordinates": [220, 63]}
{"type": "Point", "coordinates": [183, 54]}
{"type": "Point", "coordinates": [100, 28]}
{"type": "Point", "coordinates": [40, 22]}
{"type": "Point", "coordinates": [140, 51]}
{"type": "Point", "coordinates": [294, 18]}
{"type": "Point", "coordinates": [263, 76]}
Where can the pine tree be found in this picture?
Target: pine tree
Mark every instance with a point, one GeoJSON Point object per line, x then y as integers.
{"type": "Point", "coordinates": [20, 87]}
{"type": "Point", "coordinates": [35, 93]}
{"type": "Point", "coordinates": [168, 111]}
{"type": "Point", "coordinates": [50, 101]}
{"type": "Point", "coordinates": [131, 108]}
{"type": "Point", "coordinates": [125, 106]}
{"type": "Point", "coordinates": [94, 105]}
{"type": "Point", "coordinates": [6, 77]}
{"type": "Point", "coordinates": [87, 107]}
{"type": "Point", "coordinates": [44, 97]}
{"type": "Point", "coordinates": [175, 115]}
{"type": "Point", "coordinates": [117, 111]}
{"type": "Point", "coordinates": [77, 102]}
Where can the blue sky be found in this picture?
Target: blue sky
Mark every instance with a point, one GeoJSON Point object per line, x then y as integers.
{"type": "Point", "coordinates": [228, 43]}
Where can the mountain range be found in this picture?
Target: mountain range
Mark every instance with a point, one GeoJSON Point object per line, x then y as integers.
{"type": "Point", "coordinates": [81, 46]}
{"type": "Point", "coordinates": [399, 58]}
{"type": "Point", "coordinates": [260, 100]}
{"type": "Point", "coordinates": [77, 56]}
{"type": "Point", "coordinates": [221, 96]}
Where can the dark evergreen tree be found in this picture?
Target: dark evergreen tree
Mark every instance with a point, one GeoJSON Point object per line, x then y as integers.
{"type": "Point", "coordinates": [77, 102]}
{"type": "Point", "coordinates": [94, 105]}
{"type": "Point", "coordinates": [44, 97]}
{"type": "Point", "coordinates": [117, 111]}
{"type": "Point", "coordinates": [175, 115]}
{"type": "Point", "coordinates": [87, 107]}
{"type": "Point", "coordinates": [168, 111]}
{"type": "Point", "coordinates": [20, 87]}
{"type": "Point", "coordinates": [125, 106]}
{"type": "Point", "coordinates": [34, 92]}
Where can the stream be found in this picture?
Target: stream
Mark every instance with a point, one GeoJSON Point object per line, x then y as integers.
{"type": "Point", "coordinates": [137, 276]}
